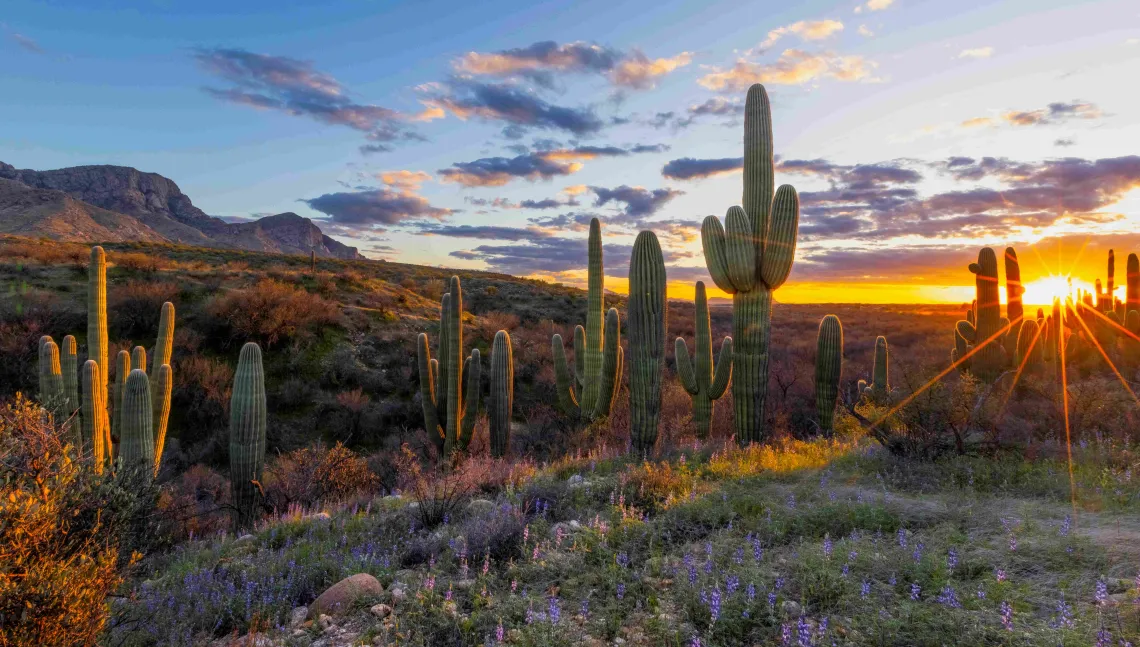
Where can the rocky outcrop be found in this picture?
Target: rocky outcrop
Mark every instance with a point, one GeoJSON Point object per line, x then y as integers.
{"type": "Point", "coordinates": [158, 208]}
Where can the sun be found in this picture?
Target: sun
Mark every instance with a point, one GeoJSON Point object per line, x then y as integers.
{"type": "Point", "coordinates": [1045, 289]}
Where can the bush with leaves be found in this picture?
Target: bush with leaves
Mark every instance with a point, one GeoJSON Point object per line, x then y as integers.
{"type": "Point", "coordinates": [314, 475]}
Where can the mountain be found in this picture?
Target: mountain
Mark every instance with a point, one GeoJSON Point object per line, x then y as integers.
{"type": "Point", "coordinates": [120, 203]}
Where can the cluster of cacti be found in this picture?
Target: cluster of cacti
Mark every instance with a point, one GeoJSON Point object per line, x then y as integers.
{"type": "Point", "coordinates": [449, 414]}
{"type": "Point", "coordinates": [501, 397]}
{"type": "Point", "coordinates": [648, 310]}
{"type": "Point", "coordinates": [704, 383]}
{"type": "Point", "coordinates": [590, 392]}
{"type": "Point", "coordinates": [750, 257]}
{"type": "Point", "coordinates": [980, 339]}
{"type": "Point", "coordinates": [828, 371]}
{"type": "Point", "coordinates": [67, 403]}
{"type": "Point", "coordinates": [879, 390]}
{"type": "Point", "coordinates": [247, 435]}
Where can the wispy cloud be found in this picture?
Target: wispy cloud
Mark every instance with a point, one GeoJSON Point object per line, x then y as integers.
{"type": "Point", "coordinates": [874, 5]}
{"type": "Point", "coordinates": [395, 203]}
{"type": "Point", "coordinates": [540, 61]}
{"type": "Point", "coordinates": [865, 31]}
{"type": "Point", "coordinates": [794, 67]}
{"type": "Point", "coordinates": [512, 104]}
{"type": "Point", "coordinates": [977, 52]}
{"type": "Point", "coordinates": [295, 87]}
{"type": "Point", "coordinates": [639, 202]}
{"type": "Point", "coordinates": [541, 164]}
{"type": "Point", "coordinates": [1054, 113]}
{"type": "Point", "coordinates": [688, 168]}
{"type": "Point", "coordinates": [805, 29]}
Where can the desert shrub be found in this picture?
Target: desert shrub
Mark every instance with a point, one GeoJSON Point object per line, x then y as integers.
{"type": "Point", "coordinates": [270, 312]}
{"type": "Point", "coordinates": [23, 319]}
{"type": "Point", "coordinates": [498, 534]}
{"type": "Point", "coordinates": [315, 475]}
{"type": "Point", "coordinates": [201, 398]}
{"type": "Point", "coordinates": [136, 306]}
{"type": "Point", "coordinates": [135, 262]}
{"type": "Point", "coordinates": [437, 494]}
{"type": "Point", "coordinates": [195, 503]}
{"type": "Point", "coordinates": [66, 534]}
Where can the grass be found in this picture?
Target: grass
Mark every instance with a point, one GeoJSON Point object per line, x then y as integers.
{"type": "Point", "coordinates": [827, 541]}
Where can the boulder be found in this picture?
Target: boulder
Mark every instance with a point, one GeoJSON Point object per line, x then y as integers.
{"type": "Point", "coordinates": [341, 596]}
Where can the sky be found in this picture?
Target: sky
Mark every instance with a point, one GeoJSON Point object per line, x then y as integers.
{"type": "Point", "coordinates": [486, 135]}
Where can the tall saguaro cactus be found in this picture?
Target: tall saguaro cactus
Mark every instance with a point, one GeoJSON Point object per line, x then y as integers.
{"type": "Point", "coordinates": [502, 395]}
{"type": "Point", "coordinates": [590, 392]}
{"type": "Point", "coordinates": [69, 363]}
{"type": "Point", "coordinates": [247, 435]}
{"type": "Point", "coordinates": [51, 379]}
{"type": "Point", "coordinates": [1111, 281]}
{"type": "Point", "coordinates": [161, 388]}
{"type": "Point", "coordinates": [94, 416]}
{"type": "Point", "coordinates": [648, 310]}
{"type": "Point", "coordinates": [1132, 278]}
{"type": "Point", "coordinates": [987, 334]}
{"type": "Point", "coordinates": [704, 383]}
{"type": "Point", "coordinates": [136, 439]}
{"type": "Point", "coordinates": [97, 344]}
{"type": "Point", "coordinates": [122, 371]}
{"type": "Point", "coordinates": [828, 371]}
{"type": "Point", "coordinates": [1030, 346]}
{"type": "Point", "coordinates": [1013, 287]}
{"type": "Point", "coordinates": [449, 418]}
{"type": "Point", "coordinates": [750, 257]}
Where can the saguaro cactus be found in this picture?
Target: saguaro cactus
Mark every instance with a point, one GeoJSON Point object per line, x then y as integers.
{"type": "Point", "coordinates": [122, 371]}
{"type": "Point", "coordinates": [1030, 346]}
{"type": "Point", "coordinates": [1013, 287]}
{"type": "Point", "coordinates": [704, 383]}
{"type": "Point", "coordinates": [138, 359]}
{"type": "Point", "coordinates": [879, 390]}
{"type": "Point", "coordinates": [589, 393]}
{"type": "Point", "coordinates": [750, 257]}
{"type": "Point", "coordinates": [449, 418]}
{"type": "Point", "coordinates": [69, 363]}
{"type": "Point", "coordinates": [988, 333]}
{"type": "Point", "coordinates": [97, 344]}
{"type": "Point", "coordinates": [162, 385]}
{"type": "Point", "coordinates": [247, 435]}
{"type": "Point", "coordinates": [163, 347]}
{"type": "Point", "coordinates": [94, 416]}
{"type": "Point", "coordinates": [828, 371]}
{"type": "Point", "coordinates": [648, 309]}
{"type": "Point", "coordinates": [1111, 305]}
{"type": "Point", "coordinates": [51, 379]}
{"type": "Point", "coordinates": [1132, 289]}
{"type": "Point", "coordinates": [136, 439]}
{"type": "Point", "coordinates": [502, 395]}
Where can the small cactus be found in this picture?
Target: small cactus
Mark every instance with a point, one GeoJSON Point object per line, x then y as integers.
{"type": "Point", "coordinates": [1132, 289]}
{"type": "Point", "coordinates": [879, 390]}
{"type": "Point", "coordinates": [502, 394]}
{"type": "Point", "coordinates": [828, 371]}
{"type": "Point", "coordinates": [986, 334]}
{"type": "Point", "coordinates": [136, 438]}
{"type": "Point", "coordinates": [1030, 346]}
{"type": "Point", "coordinates": [648, 310]}
{"type": "Point", "coordinates": [94, 416]}
{"type": "Point", "coordinates": [704, 384]}
{"type": "Point", "coordinates": [247, 436]}
{"type": "Point", "coordinates": [51, 379]}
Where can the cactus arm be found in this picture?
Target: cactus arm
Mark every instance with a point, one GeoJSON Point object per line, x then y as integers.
{"type": "Point", "coordinates": [610, 374]}
{"type": "Point", "coordinates": [164, 345]}
{"type": "Point", "coordinates": [716, 253]}
{"type": "Point", "coordinates": [647, 314]}
{"type": "Point", "coordinates": [94, 416]}
{"type": "Point", "coordinates": [97, 344]}
{"type": "Point", "coordinates": [780, 246]}
{"type": "Point", "coordinates": [163, 385]}
{"type": "Point", "coordinates": [590, 366]}
{"type": "Point", "coordinates": [52, 397]}
{"type": "Point", "coordinates": [501, 396]}
{"type": "Point", "coordinates": [740, 248]}
{"type": "Point", "coordinates": [828, 371]}
{"type": "Point", "coordinates": [1013, 288]}
{"type": "Point", "coordinates": [454, 325]}
{"type": "Point", "coordinates": [723, 375]}
{"type": "Point", "coordinates": [137, 436]}
{"type": "Point", "coordinates": [472, 371]}
{"type": "Point", "coordinates": [565, 385]}
{"type": "Point", "coordinates": [444, 363]}
{"type": "Point", "coordinates": [428, 369]}
{"type": "Point", "coordinates": [966, 330]}
{"type": "Point", "coordinates": [69, 363]}
{"type": "Point", "coordinates": [758, 163]}
{"type": "Point", "coordinates": [138, 359]}
{"type": "Point", "coordinates": [247, 435]}
{"type": "Point", "coordinates": [122, 370]}
{"type": "Point", "coordinates": [685, 372]}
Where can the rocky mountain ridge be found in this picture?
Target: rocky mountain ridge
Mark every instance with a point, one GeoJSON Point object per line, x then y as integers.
{"type": "Point", "coordinates": [119, 203]}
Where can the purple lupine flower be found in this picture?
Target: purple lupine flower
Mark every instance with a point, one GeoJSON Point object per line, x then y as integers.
{"type": "Point", "coordinates": [1101, 594]}
{"type": "Point", "coordinates": [772, 600]}
{"type": "Point", "coordinates": [714, 605]}
{"type": "Point", "coordinates": [915, 590]}
{"type": "Point", "coordinates": [785, 634]}
{"type": "Point", "coordinates": [902, 538]}
{"type": "Point", "coordinates": [999, 573]}
{"type": "Point", "coordinates": [917, 554]}
{"type": "Point", "coordinates": [791, 501]}
{"type": "Point", "coordinates": [757, 550]}
{"type": "Point", "coordinates": [949, 597]}
{"type": "Point", "coordinates": [731, 583]}
{"type": "Point", "coordinates": [827, 546]}
{"type": "Point", "coordinates": [1103, 638]}
{"type": "Point", "coordinates": [1006, 615]}
{"type": "Point", "coordinates": [1064, 617]}
{"type": "Point", "coordinates": [621, 590]}
{"type": "Point", "coordinates": [584, 609]}
{"type": "Point", "coordinates": [846, 569]}
{"type": "Point", "coordinates": [981, 594]}
{"type": "Point", "coordinates": [951, 558]}
{"type": "Point", "coordinates": [751, 592]}
{"type": "Point", "coordinates": [499, 633]}
{"type": "Point", "coordinates": [1012, 542]}
{"type": "Point", "coordinates": [738, 556]}
{"type": "Point", "coordinates": [803, 632]}
{"type": "Point", "coordinates": [1066, 525]}
{"type": "Point", "coordinates": [623, 560]}
{"type": "Point", "coordinates": [779, 583]}
{"type": "Point", "coordinates": [448, 594]}
{"type": "Point", "coordinates": [554, 609]}
{"type": "Point", "coordinates": [893, 580]}
{"type": "Point", "coordinates": [696, 641]}
{"type": "Point", "coordinates": [864, 589]}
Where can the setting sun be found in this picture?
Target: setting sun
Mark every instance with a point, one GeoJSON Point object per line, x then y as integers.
{"type": "Point", "coordinates": [1045, 289]}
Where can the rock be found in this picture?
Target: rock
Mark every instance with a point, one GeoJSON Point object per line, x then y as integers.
{"type": "Point", "coordinates": [341, 596]}
{"type": "Point", "coordinates": [324, 622]}
{"type": "Point", "coordinates": [575, 480]}
{"type": "Point", "coordinates": [245, 539]}
{"type": "Point", "coordinates": [298, 616]}
{"type": "Point", "coordinates": [791, 609]}
{"type": "Point", "coordinates": [318, 516]}
{"type": "Point", "coordinates": [398, 594]}
{"type": "Point", "coordinates": [480, 507]}
{"type": "Point", "coordinates": [381, 610]}
{"type": "Point", "coordinates": [297, 633]}
{"type": "Point", "coordinates": [463, 585]}
{"type": "Point", "coordinates": [568, 528]}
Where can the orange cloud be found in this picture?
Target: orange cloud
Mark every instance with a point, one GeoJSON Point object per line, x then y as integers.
{"type": "Point", "coordinates": [874, 5]}
{"type": "Point", "coordinates": [805, 29]}
{"type": "Point", "coordinates": [794, 67]}
{"type": "Point", "coordinates": [977, 52]}
{"type": "Point", "coordinates": [642, 72]}
{"type": "Point", "coordinates": [977, 122]}
{"type": "Point", "coordinates": [404, 180]}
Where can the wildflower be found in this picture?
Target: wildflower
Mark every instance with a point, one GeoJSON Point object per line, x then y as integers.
{"type": "Point", "coordinates": [1064, 617]}
{"type": "Point", "coordinates": [584, 609]}
{"type": "Point", "coordinates": [534, 555]}
{"type": "Point", "coordinates": [846, 569]}
{"type": "Point", "coordinates": [827, 546]}
{"type": "Point", "coordinates": [915, 590]}
{"type": "Point", "coordinates": [622, 560]}
{"type": "Point", "coordinates": [951, 558]}
{"type": "Point", "coordinates": [1066, 525]}
{"type": "Point", "coordinates": [738, 556]}
{"type": "Point", "coordinates": [803, 632]}
{"type": "Point", "coordinates": [449, 593]}
{"type": "Point", "coordinates": [999, 574]}
{"type": "Point", "coordinates": [751, 592]}
{"type": "Point", "coordinates": [757, 550]}
{"type": "Point", "coordinates": [731, 583]}
{"type": "Point", "coordinates": [1103, 638]}
{"type": "Point", "coordinates": [714, 605]}
{"type": "Point", "coordinates": [779, 583]}
{"type": "Point", "coordinates": [1012, 543]}
{"type": "Point", "coordinates": [1101, 593]}
{"type": "Point", "coordinates": [786, 634]}
{"type": "Point", "coordinates": [486, 563]}
{"type": "Point", "coordinates": [499, 632]}
{"type": "Point", "coordinates": [981, 594]}
{"type": "Point", "coordinates": [791, 502]}
{"type": "Point", "coordinates": [514, 585]}
{"type": "Point", "coordinates": [917, 554]}
{"type": "Point", "coordinates": [1006, 615]}
{"type": "Point", "coordinates": [696, 641]}
{"type": "Point", "coordinates": [949, 597]}
{"type": "Point", "coordinates": [429, 583]}
{"type": "Point", "coordinates": [902, 538]}
{"type": "Point", "coordinates": [554, 609]}
{"type": "Point", "coordinates": [772, 600]}
{"type": "Point", "coordinates": [526, 534]}
{"type": "Point", "coordinates": [864, 589]}
{"type": "Point", "coordinates": [621, 590]}
{"type": "Point", "coordinates": [893, 580]}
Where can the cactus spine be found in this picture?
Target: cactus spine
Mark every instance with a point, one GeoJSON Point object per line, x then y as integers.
{"type": "Point", "coordinates": [749, 258]}
{"type": "Point", "coordinates": [94, 416]}
{"type": "Point", "coordinates": [69, 363]}
{"type": "Point", "coordinates": [705, 384]}
{"type": "Point", "coordinates": [502, 395]}
{"type": "Point", "coordinates": [247, 435]}
{"type": "Point", "coordinates": [136, 439]}
{"type": "Point", "coordinates": [648, 309]}
{"type": "Point", "coordinates": [448, 417]}
{"type": "Point", "coordinates": [162, 384]}
{"type": "Point", "coordinates": [990, 327]}
{"type": "Point", "coordinates": [590, 392]}
{"type": "Point", "coordinates": [828, 371]}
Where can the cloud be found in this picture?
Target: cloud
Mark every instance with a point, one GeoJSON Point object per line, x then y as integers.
{"type": "Point", "coordinates": [392, 204]}
{"type": "Point", "coordinates": [874, 5]}
{"type": "Point", "coordinates": [487, 232]}
{"type": "Point", "coordinates": [865, 31]}
{"type": "Point", "coordinates": [639, 202]}
{"type": "Point", "coordinates": [295, 87]}
{"type": "Point", "coordinates": [688, 168]}
{"type": "Point", "coordinates": [805, 29]}
{"type": "Point", "coordinates": [977, 52]}
{"type": "Point", "coordinates": [1063, 142]}
{"type": "Point", "coordinates": [794, 67]}
{"type": "Point", "coordinates": [977, 122]}
{"type": "Point", "coordinates": [1054, 113]}
{"type": "Point", "coordinates": [541, 164]}
{"type": "Point", "coordinates": [516, 106]}
{"type": "Point", "coordinates": [539, 61]}
{"type": "Point", "coordinates": [729, 109]}
{"type": "Point", "coordinates": [25, 42]}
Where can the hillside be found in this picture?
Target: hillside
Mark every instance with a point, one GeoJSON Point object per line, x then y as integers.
{"type": "Point", "coordinates": [122, 204]}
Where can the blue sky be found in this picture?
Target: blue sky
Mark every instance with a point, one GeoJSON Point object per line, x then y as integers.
{"type": "Point", "coordinates": [914, 131]}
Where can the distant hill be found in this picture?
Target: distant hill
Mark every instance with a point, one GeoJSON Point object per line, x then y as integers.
{"type": "Point", "coordinates": [122, 204]}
